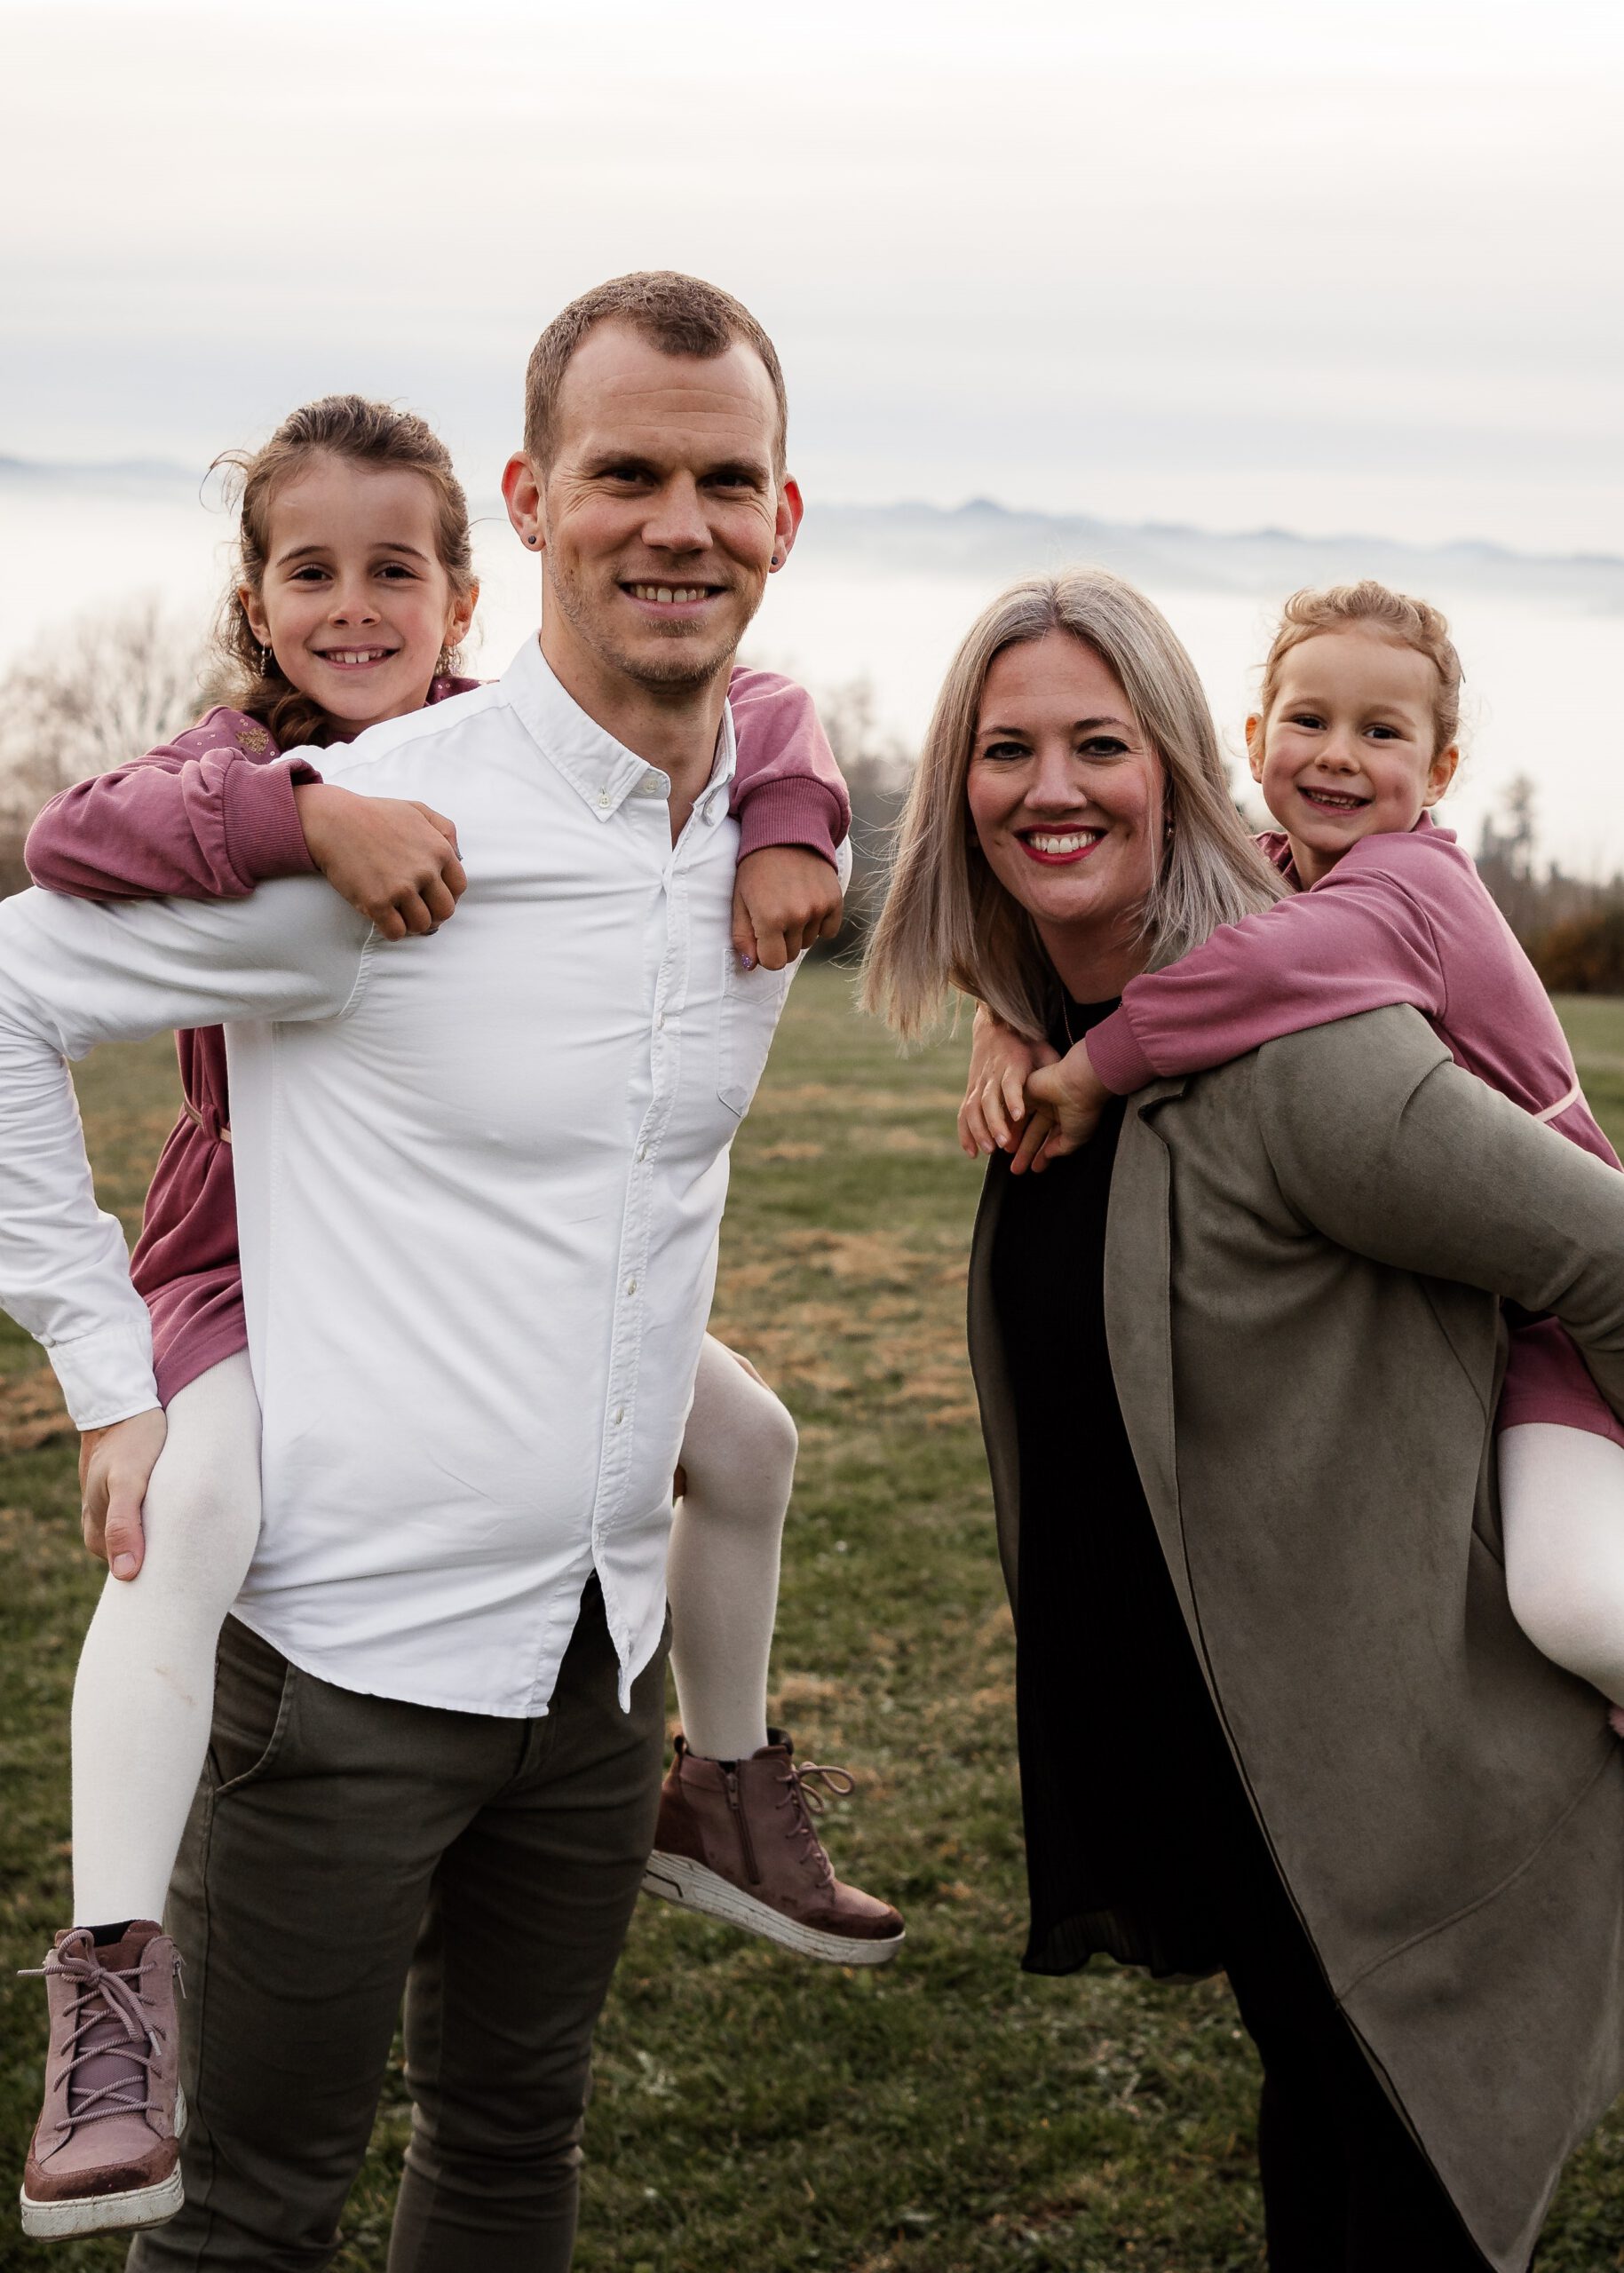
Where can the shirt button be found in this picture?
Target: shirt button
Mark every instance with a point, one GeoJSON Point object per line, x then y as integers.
{"type": "Point", "coordinates": [642, 1152]}
{"type": "Point", "coordinates": [631, 1285]}
{"type": "Point", "coordinates": [603, 797]}
{"type": "Point", "coordinates": [619, 1414]}
{"type": "Point", "coordinates": [658, 1020]}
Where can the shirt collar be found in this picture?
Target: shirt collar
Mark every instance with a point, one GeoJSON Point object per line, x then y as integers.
{"type": "Point", "coordinates": [602, 771]}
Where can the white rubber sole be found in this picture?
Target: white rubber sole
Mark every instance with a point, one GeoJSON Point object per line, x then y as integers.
{"type": "Point", "coordinates": [676, 1878]}
{"type": "Point", "coordinates": [109, 2214]}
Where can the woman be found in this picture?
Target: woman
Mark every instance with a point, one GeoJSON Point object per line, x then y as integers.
{"type": "Point", "coordinates": [1236, 1360]}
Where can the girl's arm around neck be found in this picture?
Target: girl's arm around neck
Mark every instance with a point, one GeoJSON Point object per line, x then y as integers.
{"type": "Point", "coordinates": [207, 816]}
{"type": "Point", "coordinates": [1360, 941]}
{"type": "Point", "coordinates": [787, 788]}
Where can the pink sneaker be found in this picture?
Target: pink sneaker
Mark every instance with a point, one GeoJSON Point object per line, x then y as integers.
{"type": "Point", "coordinates": [736, 1840]}
{"type": "Point", "coordinates": [104, 2152]}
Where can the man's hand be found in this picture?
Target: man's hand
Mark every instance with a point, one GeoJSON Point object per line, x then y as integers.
{"type": "Point", "coordinates": [1000, 1063]}
{"type": "Point", "coordinates": [115, 1465]}
{"type": "Point", "coordinates": [390, 857]}
{"type": "Point", "coordinates": [785, 897]}
{"type": "Point", "coordinates": [1070, 1096]}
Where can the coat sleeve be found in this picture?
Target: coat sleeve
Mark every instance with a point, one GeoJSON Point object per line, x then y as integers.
{"type": "Point", "coordinates": [1380, 1142]}
{"type": "Point", "coordinates": [1357, 942]}
{"type": "Point", "coordinates": [207, 816]}
{"type": "Point", "coordinates": [74, 974]}
{"type": "Point", "coordinates": [787, 788]}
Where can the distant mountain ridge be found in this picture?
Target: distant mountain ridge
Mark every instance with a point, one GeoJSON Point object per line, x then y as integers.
{"type": "Point", "coordinates": [984, 538]}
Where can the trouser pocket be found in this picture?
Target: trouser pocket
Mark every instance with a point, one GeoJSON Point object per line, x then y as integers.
{"type": "Point", "coordinates": [253, 1707]}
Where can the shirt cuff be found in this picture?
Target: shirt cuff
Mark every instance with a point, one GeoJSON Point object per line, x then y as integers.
{"type": "Point", "coordinates": [106, 1375]}
{"type": "Point", "coordinates": [797, 811]}
{"type": "Point", "coordinates": [1116, 1056]}
{"type": "Point", "coordinates": [263, 835]}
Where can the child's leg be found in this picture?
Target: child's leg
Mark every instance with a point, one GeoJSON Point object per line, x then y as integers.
{"type": "Point", "coordinates": [737, 1836]}
{"type": "Point", "coordinates": [738, 1458]}
{"type": "Point", "coordinates": [144, 1693]}
{"type": "Point", "coordinates": [1562, 1513]}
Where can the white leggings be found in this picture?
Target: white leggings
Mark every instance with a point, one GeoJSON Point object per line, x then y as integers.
{"type": "Point", "coordinates": [1562, 1515]}
{"type": "Point", "coordinates": [144, 1697]}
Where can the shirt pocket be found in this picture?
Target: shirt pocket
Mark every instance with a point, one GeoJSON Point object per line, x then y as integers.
{"type": "Point", "coordinates": [751, 1000]}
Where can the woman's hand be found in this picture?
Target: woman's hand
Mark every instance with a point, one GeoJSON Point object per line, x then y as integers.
{"type": "Point", "coordinates": [390, 858]}
{"type": "Point", "coordinates": [785, 896]}
{"type": "Point", "coordinates": [116, 1466]}
{"type": "Point", "coordinates": [1001, 1062]}
{"type": "Point", "coordinates": [1070, 1096]}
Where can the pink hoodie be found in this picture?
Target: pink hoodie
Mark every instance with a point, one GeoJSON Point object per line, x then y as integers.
{"type": "Point", "coordinates": [210, 815]}
{"type": "Point", "coordinates": [1401, 918]}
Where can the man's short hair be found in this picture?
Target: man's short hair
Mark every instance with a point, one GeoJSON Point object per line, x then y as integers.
{"type": "Point", "coordinates": [682, 315]}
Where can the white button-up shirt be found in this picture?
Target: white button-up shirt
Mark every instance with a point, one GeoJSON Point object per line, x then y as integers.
{"type": "Point", "coordinates": [479, 1176]}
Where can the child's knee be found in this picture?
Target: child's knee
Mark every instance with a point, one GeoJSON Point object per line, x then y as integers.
{"type": "Point", "coordinates": [776, 1439]}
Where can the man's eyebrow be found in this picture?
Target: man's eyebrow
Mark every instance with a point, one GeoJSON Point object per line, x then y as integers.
{"type": "Point", "coordinates": [737, 470]}
{"type": "Point", "coordinates": [630, 462]}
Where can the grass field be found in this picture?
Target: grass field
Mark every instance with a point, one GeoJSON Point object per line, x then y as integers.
{"type": "Point", "coordinates": [755, 2114]}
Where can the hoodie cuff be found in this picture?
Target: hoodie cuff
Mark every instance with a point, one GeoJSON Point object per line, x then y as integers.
{"type": "Point", "coordinates": [263, 835]}
{"type": "Point", "coordinates": [1116, 1056]}
{"type": "Point", "coordinates": [796, 812]}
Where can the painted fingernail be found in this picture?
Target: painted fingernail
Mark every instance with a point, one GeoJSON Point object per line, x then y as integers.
{"type": "Point", "coordinates": [748, 962]}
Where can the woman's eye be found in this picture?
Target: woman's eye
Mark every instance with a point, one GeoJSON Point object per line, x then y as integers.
{"type": "Point", "coordinates": [1006, 752]}
{"type": "Point", "coordinates": [1102, 746]}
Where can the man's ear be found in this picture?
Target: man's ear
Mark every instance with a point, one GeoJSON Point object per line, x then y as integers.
{"type": "Point", "coordinates": [1255, 744]}
{"type": "Point", "coordinates": [791, 506]}
{"type": "Point", "coordinates": [1440, 774]}
{"type": "Point", "coordinates": [521, 493]}
{"type": "Point", "coordinates": [253, 609]}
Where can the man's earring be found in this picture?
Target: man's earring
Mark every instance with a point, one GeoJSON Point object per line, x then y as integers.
{"type": "Point", "coordinates": [533, 540]}
{"type": "Point", "coordinates": [777, 562]}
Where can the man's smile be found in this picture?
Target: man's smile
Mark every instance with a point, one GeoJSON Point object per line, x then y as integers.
{"type": "Point", "coordinates": [673, 598]}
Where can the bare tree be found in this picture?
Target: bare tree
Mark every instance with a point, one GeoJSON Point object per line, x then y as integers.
{"type": "Point", "coordinates": [877, 766]}
{"type": "Point", "coordinates": [99, 692]}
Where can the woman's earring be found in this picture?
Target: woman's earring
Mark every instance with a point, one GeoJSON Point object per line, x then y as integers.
{"type": "Point", "coordinates": [443, 666]}
{"type": "Point", "coordinates": [264, 660]}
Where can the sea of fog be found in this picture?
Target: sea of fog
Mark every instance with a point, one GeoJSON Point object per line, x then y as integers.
{"type": "Point", "coordinates": [1543, 677]}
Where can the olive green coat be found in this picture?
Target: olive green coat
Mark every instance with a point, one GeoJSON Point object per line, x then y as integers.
{"type": "Point", "coordinates": [1302, 1255]}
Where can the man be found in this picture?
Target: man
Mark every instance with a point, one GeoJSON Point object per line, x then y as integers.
{"type": "Point", "coordinates": [478, 1184]}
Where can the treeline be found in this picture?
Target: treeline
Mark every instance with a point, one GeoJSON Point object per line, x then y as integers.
{"type": "Point", "coordinates": [1573, 932]}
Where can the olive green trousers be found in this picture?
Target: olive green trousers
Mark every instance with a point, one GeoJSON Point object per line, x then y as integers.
{"type": "Point", "coordinates": [344, 1851]}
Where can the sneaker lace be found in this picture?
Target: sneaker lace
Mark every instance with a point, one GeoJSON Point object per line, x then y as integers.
{"type": "Point", "coordinates": [106, 2000]}
{"type": "Point", "coordinates": [805, 1800]}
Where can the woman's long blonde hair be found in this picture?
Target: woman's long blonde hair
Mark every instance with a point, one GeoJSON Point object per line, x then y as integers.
{"type": "Point", "coordinates": [948, 922]}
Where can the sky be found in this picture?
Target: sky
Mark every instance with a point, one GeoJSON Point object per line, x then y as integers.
{"type": "Point", "coordinates": [1322, 267]}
